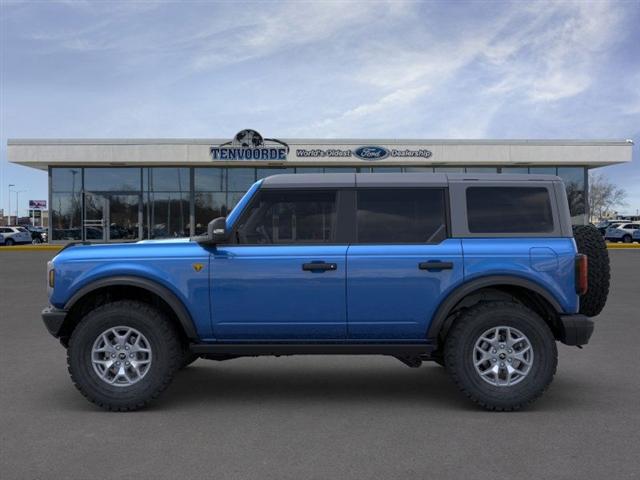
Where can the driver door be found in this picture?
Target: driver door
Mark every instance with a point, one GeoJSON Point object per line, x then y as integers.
{"type": "Point", "coordinates": [285, 278]}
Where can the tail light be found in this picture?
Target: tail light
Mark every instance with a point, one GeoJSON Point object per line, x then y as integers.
{"type": "Point", "coordinates": [582, 272]}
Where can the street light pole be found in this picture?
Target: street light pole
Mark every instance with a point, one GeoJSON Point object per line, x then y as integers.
{"type": "Point", "coordinates": [18, 192]}
{"type": "Point", "coordinates": [9, 212]}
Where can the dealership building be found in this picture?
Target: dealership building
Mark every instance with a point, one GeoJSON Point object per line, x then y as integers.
{"type": "Point", "coordinates": [133, 189]}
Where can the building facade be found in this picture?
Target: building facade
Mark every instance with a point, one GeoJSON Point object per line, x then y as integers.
{"type": "Point", "coordinates": [127, 190]}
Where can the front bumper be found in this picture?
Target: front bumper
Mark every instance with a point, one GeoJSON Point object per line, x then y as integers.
{"type": "Point", "coordinates": [575, 329]}
{"type": "Point", "coordinates": [53, 319]}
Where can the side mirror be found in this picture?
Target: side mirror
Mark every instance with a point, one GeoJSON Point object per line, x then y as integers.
{"type": "Point", "coordinates": [217, 230]}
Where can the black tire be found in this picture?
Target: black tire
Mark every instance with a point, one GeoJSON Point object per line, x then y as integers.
{"type": "Point", "coordinates": [460, 346]}
{"type": "Point", "coordinates": [150, 322]}
{"type": "Point", "coordinates": [626, 239]}
{"type": "Point", "coordinates": [9, 242]}
{"type": "Point", "coordinates": [591, 243]}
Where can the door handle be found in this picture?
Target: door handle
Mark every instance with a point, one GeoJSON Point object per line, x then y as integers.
{"type": "Point", "coordinates": [318, 266]}
{"type": "Point", "coordinates": [435, 265]}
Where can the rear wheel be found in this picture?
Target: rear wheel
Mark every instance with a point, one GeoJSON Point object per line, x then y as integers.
{"type": "Point", "coordinates": [9, 242]}
{"type": "Point", "coordinates": [590, 243]}
{"type": "Point", "coordinates": [501, 355]}
{"type": "Point", "coordinates": [123, 354]}
{"type": "Point", "coordinates": [626, 239]}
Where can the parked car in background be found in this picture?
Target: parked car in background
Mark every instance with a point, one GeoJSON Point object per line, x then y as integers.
{"type": "Point", "coordinates": [15, 235]}
{"type": "Point", "coordinates": [636, 235]}
{"type": "Point", "coordinates": [1, 239]}
{"type": "Point", "coordinates": [602, 226]}
{"type": "Point", "coordinates": [38, 234]}
{"type": "Point", "coordinates": [622, 233]}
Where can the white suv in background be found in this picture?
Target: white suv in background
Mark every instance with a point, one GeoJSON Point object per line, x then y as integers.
{"type": "Point", "coordinates": [622, 233]}
{"type": "Point", "coordinates": [15, 235]}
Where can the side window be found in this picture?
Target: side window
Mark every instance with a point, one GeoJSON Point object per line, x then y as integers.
{"type": "Point", "coordinates": [509, 210]}
{"type": "Point", "coordinates": [401, 215]}
{"type": "Point", "coordinates": [289, 217]}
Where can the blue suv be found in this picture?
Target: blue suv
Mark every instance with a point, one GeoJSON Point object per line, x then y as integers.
{"type": "Point", "coordinates": [479, 273]}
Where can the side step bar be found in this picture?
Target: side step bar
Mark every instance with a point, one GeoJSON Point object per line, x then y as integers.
{"type": "Point", "coordinates": [259, 349]}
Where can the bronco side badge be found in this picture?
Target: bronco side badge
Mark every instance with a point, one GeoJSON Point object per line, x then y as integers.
{"type": "Point", "coordinates": [198, 266]}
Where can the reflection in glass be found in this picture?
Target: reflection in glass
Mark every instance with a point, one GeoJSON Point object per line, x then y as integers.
{"type": "Point", "coordinates": [267, 172]}
{"type": "Point", "coordinates": [308, 170]}
{"type": "Point", "coordinates": [166, 179]}
{"type": "Point", "coordinates": [167, 215]}
{"type": "Point", "coordinates": [65, 216]}
{"type": "Point", "coordinates": [211, 179]}
{"type": "Point", "coordinates": [418, 169]}
{"type": "Point", "coordinates": [240, 178]}
{"type": "Point", "coordinates": [481, 170]}
{"type": "Point", "coordinates": [514, 170]}
{"type": "Point", "coordinates": [543, 170]}
{"type": "Point", "coordinates": [449, 169]}
{"type": "Point", "coordinates": [573, 178]}
{"type": "Point", "coordinates": [340, 169]}
{"type": "Point", "coordinates": [66, 179]}
{"type": "Point", "coordinates": [112, 179]}
{"type": "Point", "coordinates": [124, 217]}
{"type": "Point", "coordinates": [384, 169]}
{"type": "Point", "coordinates": [208, 205]}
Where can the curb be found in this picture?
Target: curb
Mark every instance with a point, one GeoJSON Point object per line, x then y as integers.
{"type": "Point", "coordinates": [623, 246]}
{"type": "Point", "coordinates": [27, 248]}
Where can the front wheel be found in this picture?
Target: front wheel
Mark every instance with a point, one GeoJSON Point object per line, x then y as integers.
{"type": "Point", "coordinates": [626, 239]}
{"type": "Point", "coordinates": [502, 355]}
{"type": "Point", "coordinates": [123, 354]}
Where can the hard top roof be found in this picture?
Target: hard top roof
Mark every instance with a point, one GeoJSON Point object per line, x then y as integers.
{"type": "Point", "coordinates": [414, 179]}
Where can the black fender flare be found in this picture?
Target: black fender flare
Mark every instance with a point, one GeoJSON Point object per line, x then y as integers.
{"type": "Point", "coordinates": [440, 317]}
{"type": "Point", "coordinates": [178, 307]}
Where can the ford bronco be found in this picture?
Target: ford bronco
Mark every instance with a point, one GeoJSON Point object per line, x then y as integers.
{"type": "Point", "coordinates": [482, 274]}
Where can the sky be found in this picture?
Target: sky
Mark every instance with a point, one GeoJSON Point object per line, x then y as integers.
{"type": "Point", "coordinates": [374, 69]}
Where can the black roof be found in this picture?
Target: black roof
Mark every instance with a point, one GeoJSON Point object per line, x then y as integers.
{"type": "Point", "coordinates": [409, 179]}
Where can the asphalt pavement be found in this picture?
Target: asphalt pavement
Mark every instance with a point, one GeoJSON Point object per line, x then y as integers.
{"type": "Point", "coordinates": [317, 417]}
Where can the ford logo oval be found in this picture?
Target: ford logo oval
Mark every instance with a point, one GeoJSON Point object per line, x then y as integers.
{"type": "Point", "coordinates": [371, 153]}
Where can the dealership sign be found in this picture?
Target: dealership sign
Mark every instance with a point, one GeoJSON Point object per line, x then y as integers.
{"type": "Point", "coordinates": [250, 145]}
{"type": "Point", "coordinates": [38, 204]}
{"type": "Point", "coordinates": [365, 152]}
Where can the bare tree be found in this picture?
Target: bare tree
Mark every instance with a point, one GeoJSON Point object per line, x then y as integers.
{"type": "Point", "coordinates": [604, 196]}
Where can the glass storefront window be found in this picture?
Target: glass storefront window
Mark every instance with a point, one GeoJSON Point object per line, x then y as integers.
{"type": "Point", "coordinates": [383, 169]}
{"type": "Point", "coordinates": [418, 169]}
{"type": "Point", "coordinates": [66, 216]}
{"type": "Point", "coordinates": [543, 170]}
{"type": "Point", "coordinates": [66, 179]}
{"type": "Point", "coordinates": [166, 179]}
{"type": "Point", "coordinates": [240, 178]}
{"type": "Point", "coordinates": [211, 179]}
{"type": "Point", "coordinates": [481, 170]}
{"type": "Point", "coordinates": [514, 170]}
{"type": "Point", "coordinates": [449, 169]}
{"type": "Point", "coordinates": [167, 215]}
{"type": "Point", "coordinates": [208, 205]}
{"type": "Point", "coordinates": [112, 179]}
{"type": "Point", "coordinates": [267, 172]}
{"type": "Point", "coordinates": [308, 170]}
{"type": "Point", "coordinates": [340, 169]}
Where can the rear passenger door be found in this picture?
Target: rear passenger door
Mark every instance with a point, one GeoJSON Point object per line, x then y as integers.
{"type": "Point", "coordinates": [401, 264]}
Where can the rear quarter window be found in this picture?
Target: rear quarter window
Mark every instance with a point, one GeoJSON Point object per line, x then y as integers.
{"type": "Point", "coordinates": [509, 210]}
